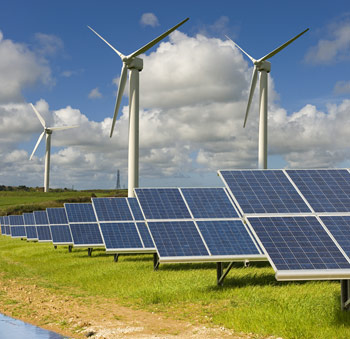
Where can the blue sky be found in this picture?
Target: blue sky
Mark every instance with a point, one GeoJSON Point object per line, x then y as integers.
{"type": "Point", "coordinates": [194, 88]}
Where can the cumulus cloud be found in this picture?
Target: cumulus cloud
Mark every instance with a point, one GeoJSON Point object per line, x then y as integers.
{"type": "Point", "coordinates": [48, 44]}
{"type": "Point", "coordinates": [193, 96]}
{"type": "Point", "coordinates": [19, 68]}
{"type": "Point", "coordinates": [149, 19]}
{"type": "Point", "coordinates": [342, 87]}
{"type": "Point", "coordinates": [335, 48]}
{"type": "Point", "coordinates": [95, 94]}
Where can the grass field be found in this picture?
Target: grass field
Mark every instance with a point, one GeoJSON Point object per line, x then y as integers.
{"type": "Point", "coordinates": [251, 300]}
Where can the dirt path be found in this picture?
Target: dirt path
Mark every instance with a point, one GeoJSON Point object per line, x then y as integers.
{"type": "Point", "coordinates": [95, 318]}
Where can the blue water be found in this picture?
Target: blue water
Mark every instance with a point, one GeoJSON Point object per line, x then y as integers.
{"type": "Point", "coordinates": [16, 329]}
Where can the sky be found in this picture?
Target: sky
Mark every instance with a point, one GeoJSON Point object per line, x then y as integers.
{"type": "Point", "coordinates": [194, 88]}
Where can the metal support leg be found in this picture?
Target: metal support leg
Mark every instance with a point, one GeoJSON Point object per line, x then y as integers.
{"type": "Point", "coordinates": [55, 247]}
{"type": "Point", "coordinates": [70, 248]}
{"type": "Point", "coordinates": [345, 295]}
{"type": "Point", "coordinates": [116, 256]}
{"type": "Point", "coordinates": [246, 263]}
{"type": "Point", "coordinates": [220, 276]}
{"type": "Point", "coordinates": [155, 262]}
{"type": "Point", "coordinates": [89, 251]}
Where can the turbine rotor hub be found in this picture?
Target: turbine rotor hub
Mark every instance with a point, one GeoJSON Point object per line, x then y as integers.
{"type": "Point", "coordinates": [48, 131]}
{"type": "Point", "coordinates": [263, 66]}
{"type": "Point", "coordinates": [135, 63]}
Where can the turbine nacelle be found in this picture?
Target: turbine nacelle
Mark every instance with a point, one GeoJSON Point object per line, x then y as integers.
{"type": "Point", "coordinates": [263, 66]}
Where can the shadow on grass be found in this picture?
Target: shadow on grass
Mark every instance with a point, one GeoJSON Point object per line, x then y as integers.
{"type": "Point", "coordinates": [341, 318]}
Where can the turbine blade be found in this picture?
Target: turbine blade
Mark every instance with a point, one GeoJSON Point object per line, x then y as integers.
{"type": "Point", "coordinates": [122, 82]}
{"type": "Point", "coordinates": [114, 49]}
{"type": "Point", "coordinates": [251, 58]}
{"type": "Point", "coordinates": [153, 42]}
{"type": "Point", "coordinates": [37, 144]}
{"type": "Point", "coordinates": [42, 121]}
{"type": "Point", "coordinates": [275, 51]}
{"type": "Point", "coordinates": [252, 89]}
{"type": "Point", "coordinates": [59, 128]}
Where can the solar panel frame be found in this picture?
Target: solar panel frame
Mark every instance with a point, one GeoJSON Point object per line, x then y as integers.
{"type": "Point", "coordinates": [278, 200]}
{"type": "Point", "coordinates": [128, 227]}
{"type": "Point", "coordinates": [322, 190]}
{"type": "Point", "coordinates": [29, 222]}
{"type": "Point", "coordinates": [92, 238]}
{"type": "Point", "coordinates": [7, 227]}
{"type": "Point", "coordinates": [42, 226]}
{"type": "Point", "coordinates": [59, 227]}
{"type": "Point", "coordinates": [322, 234]}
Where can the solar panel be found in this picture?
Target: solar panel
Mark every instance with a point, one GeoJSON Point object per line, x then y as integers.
{"type": "Point", "coordinates": [32, 234]}
{"type": "Point", "coordinates": [119, 231]}
{"type": "Point", "coordinates": [57, 216]}
{"type": "Point", "coordinates": [339, 227]}
{"type": "Point", "coordinates": [326, 190]}
{"type": "Point", "coordinates": [263, 191]}
{"type": "Point", "coordinates": [83, 225]}
{"type": "Point", "coordinates": [42, 226]}
{"type": "Point", "coordinates": [7, 227]}
{"type": "Point", "coordinates": [227, 237]}
{"type": "Point", "coordinates": [2, 225]}
{"type": "Point", "coordinates": [299, 248]}
{"type": "Point", "coordinates": [59, 227]}
{"type": "Point", "coordinates": [135, 209]}
{"type": "Point", "coordinates": [86, 235]}
{"type": "Point", "coordinates": [112, 209]}
{"type": "Point", "coordinates": [177, 239]}
{"type": "Point", "coordinates": [209, 203]}
{"type": "Point", "coordinates": [17, 226]}
{"type": "Point", "coordinates": [80, 212]}
{"type": "Point", "coordinates": [162, 203]}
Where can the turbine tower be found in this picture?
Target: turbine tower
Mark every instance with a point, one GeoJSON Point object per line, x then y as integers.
{"type": "Point", "coordinates": [135, 65]}
{"type": "Point", "coordinates": [48, 132]}
{"type": "Point", "coordinates": [263, 66]}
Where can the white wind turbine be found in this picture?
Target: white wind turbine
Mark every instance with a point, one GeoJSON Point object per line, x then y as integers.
{"type": "Point", "coordinates": [263, 67]}
{"type": "Point", "coordinates": [48, 132]}
{"type": "Point", "coordinates": [135, 65]}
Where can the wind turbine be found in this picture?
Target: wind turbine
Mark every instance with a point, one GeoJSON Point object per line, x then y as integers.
{"type": "Point", "coordinates": [263, 66]}
{"type": "Point", "coordinates": [48, 132]}
{"type": "Point", "coordinates": [135, 65]}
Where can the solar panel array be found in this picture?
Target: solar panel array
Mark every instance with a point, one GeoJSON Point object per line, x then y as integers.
{"type": "Point", "coordinates": [2, 223]}
{"type": "Point", "coordinates": [308, 239]}
{"type": "Point", "coordinates": [120, 230]}
{"type": "Point", "coordinates": [196, 224]}
{"type": "Point", "coordinates": [60, 231]}
{"type": "Point", "coordinates": [83, 225]}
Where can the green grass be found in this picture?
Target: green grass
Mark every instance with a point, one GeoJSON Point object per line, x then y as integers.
{"type": "Point", "coordinates": [17, 202]}
{"type": "Point", "coordinates": [251, 300]}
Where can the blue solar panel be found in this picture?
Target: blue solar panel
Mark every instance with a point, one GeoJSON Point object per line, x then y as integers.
{"type": "Point", "coordinates": [80, 213]}
{"type": "Point", "coordinates": [146, 237]}
{"type": "Point", "coordinates": [57, 216]}
{"type": "Point", "coordinates": [120, 235]}
{"type": "Point", "coordinates": [177, 239]}
{"type": "Point", "coordinates": [16, 220]}
{"type": "Point", "coordinates": [7, 227]}
{"type": "Point", "coordinates": [61, 234]}
{"type": "Point", "coordinates": [325, 190]}
{"type": "Point", "coordinates": [112, 209]}
{"type": "Point", "coordinates": [86, 234]}
{"type": "Point", "coordinates": [209, 203]}
{"type": "Point", "coordinates": [298, 243]}
{"type": "Point", "coordinates": [30, 226]}
{"type": "Point", "coordinates": [339, 226]}
{"type": "Point", "coordinates": [163, 203]}
{"type": "Point", "coordinates": [40, 218]}
{"type": "Point", "coordinates": [2, 225]}
{"type": "Point", "coordinates": [135, 209]}
{"type": "Point", "coordinates": [227, 237]}
{"type": "Point", "coordinates": [18, 232]}
{"type": "Point", "coordinates": [264, 191]}
{"type": "Point", "coordinates": [44, 233]}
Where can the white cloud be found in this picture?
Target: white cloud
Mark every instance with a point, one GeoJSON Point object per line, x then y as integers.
{"type": "Point", "coordinates": [48, 44]}
{"type": "Point", "coordinates": [149, 19]}
{"type": "Point", "coordinates": [193, 98]}
{"type": "Point", "coordinates": [19, 68]}
{"type": "Point", "coordinates": [342, 87]}
{"type": "Point", "coordinates": [95, 94]}
{"type": "Point", "coordinates": [334, 49]}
